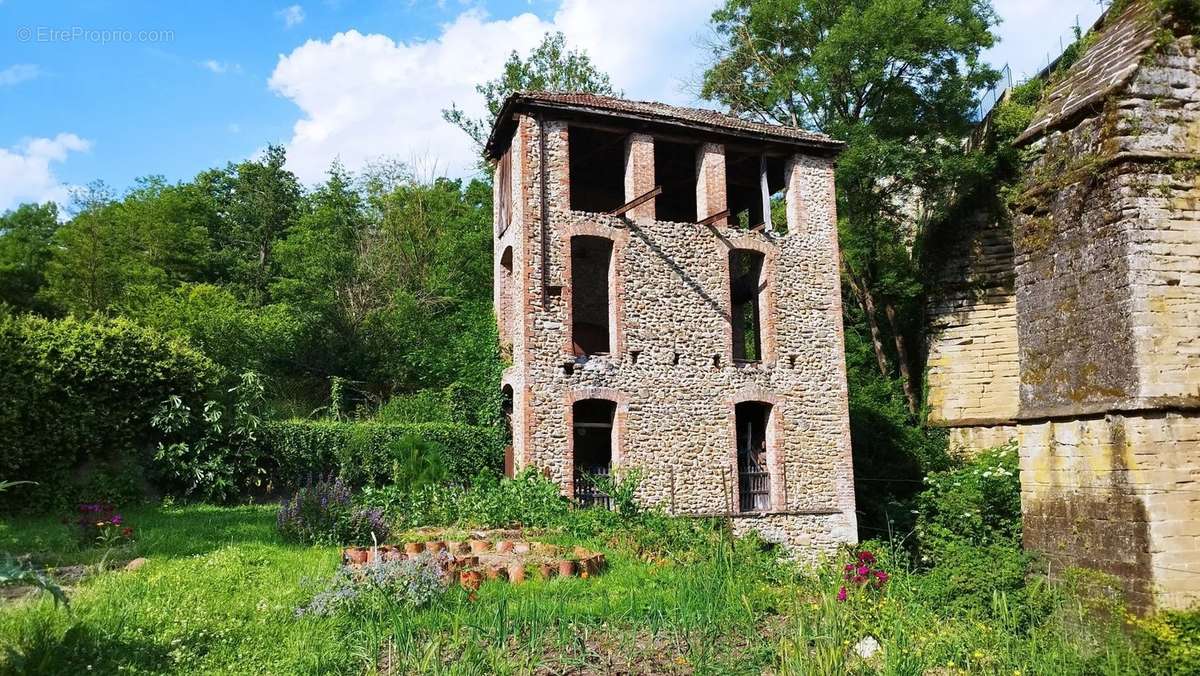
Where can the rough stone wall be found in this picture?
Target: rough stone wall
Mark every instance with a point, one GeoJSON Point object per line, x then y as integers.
{"type": "Point", "coordinates": [1108, 263]}
{"type": "Point", "coordinates": [670, 297]}
{"type": "Point", "coordinates": [972, 360]}
{"type": "Point", "coordinates": [1120, 494]}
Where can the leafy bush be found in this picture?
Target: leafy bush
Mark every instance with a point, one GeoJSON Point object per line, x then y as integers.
{"type": "Point", "coordinates": [411, 582]}
{"type": "Point", "coordinates": [323, 513]}
{"type": "Point", "coordinates": [529, 500]}
{"type": "Point", "coordinates": [978, 503]}
{"type": "Point", "coordinates": [1171, 641]}
{"type": "Point", "coordinates": [203, 455]}
{"type": "Point", "coordinates": [362, 452]}
{"type": "Point", "coordinates": [79, 396]}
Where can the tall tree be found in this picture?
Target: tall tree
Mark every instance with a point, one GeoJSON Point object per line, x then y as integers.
{"type": "Point", "coordinates": [549, 67]}
{"type": "Point", "coordinates": [25, 235]}
{"type": "Point", "coordinates": [896, 80]}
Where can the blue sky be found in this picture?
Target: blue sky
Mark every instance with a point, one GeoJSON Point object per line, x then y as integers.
{"type": "Point", "coordinates": [115, 90]}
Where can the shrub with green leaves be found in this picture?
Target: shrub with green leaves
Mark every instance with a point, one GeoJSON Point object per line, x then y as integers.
{"type": "Point", "coordinates": [79, 397]}
{"type": "Point", "coordinates": [529, 500]}
{"type": "Point", "coordinates": [977, 504]}
{"type": "Point", "coordinates": [362, 453]}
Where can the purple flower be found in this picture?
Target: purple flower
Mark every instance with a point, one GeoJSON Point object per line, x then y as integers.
{"type": "Point", "coordinates": [841, 594]}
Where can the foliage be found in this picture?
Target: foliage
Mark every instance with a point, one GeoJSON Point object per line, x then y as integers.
{"type": "Point", "coordinates": [201, 455]}
{"type": "Point", "coordinates": [412, 582]}
{"type": "Point", "coordinates": [417, 462]}
{"type": "Point", "coordinates": [550, 67]}
{"type": "Point", "coordinates": [977, 503]}
{"type": "Point", "coordinates": [99, 523]}
{"type": "Point", "coordinates": [25, 236]}
{"type": "Point", "coordinates": [322, 512]}
{"type": "Point", "coordinates": [13, 574]}
{"type": "Point", "coordinates": [359, 452]}
{"type": "Point", "coordinates": [80, 395]}
{"type": "Point", "coordinates": [1170, 640]}
{"type": "Point", "coordinates": [528, 500]}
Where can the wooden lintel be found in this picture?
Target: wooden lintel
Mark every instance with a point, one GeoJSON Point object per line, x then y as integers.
{"type": "Point", "coordinates": [715, 217]}
{"type": "Point", "coordinates": [637, 201]}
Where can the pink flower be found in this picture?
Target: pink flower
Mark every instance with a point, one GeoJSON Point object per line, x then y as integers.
{"type": "Point", "coordinates": [866, 557]}
{"type": "Point", "coordinates": [841, 594]}
{"type": "Point", "coordinates": [862, 570]}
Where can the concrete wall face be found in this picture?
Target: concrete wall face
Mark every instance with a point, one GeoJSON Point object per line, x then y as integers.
{"type": "Point", "coordinates": [669, 367]}
{"type": "Point", "coordinates": [1106, 255]}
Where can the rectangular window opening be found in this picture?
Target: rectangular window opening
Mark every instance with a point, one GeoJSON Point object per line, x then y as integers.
{"type": "Point", "coordinates": [745, 288]}
{"type": "Point", "coordinates": [597, 169]}
{"type": "Point", "coordinates": [591, 262]}
{"type": "Point", "coordinates": [743, 189]}
{"type": "Point", "coordinates": [776, 188]}
{"type": "Point", "coordinates": [675, 173]}
{"type": "Point", "coordinates": [754, 480]}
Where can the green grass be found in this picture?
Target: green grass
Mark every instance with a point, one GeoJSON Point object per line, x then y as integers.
{"type": "Point", "coordinates": [220, 589]}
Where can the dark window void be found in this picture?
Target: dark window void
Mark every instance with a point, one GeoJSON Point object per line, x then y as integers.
{"type": "Point", "coordinates": [597, 170]}
{"type": "Point", "coordinates": [591, 261]}
{"type": "Point", "coordinates": [505, 319]}
{"type": "Point", "coordinates": [675, 173]}
{"type": "Point", "coordinates": [754, 482]}
{"type": "Point", "coordinates": [592, 436]}
{"type": "Point", "coordinates": [506, 407]}
{"type": "Point", "coordinates": [745, 289]}
{"type": "Point", "coordinates": [750, 182]}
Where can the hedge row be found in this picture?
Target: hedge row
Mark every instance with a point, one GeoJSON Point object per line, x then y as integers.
{"type": "Point", "coordinates": [294, 450]}
{"type": "Point", "coordinates": [76, 400]}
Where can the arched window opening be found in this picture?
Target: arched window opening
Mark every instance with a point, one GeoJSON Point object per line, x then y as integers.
{"type": "Point", "coordinates": [506, 407]}
{"type": "Point", "coordinates": [754, 479]}
{"type": "Point", "coordinates": [591, 263]}
{"type": "Point", "coordinates": [592, 436]}
{"type": "Point", "coordinates": [504, 319]}
{"type": "Point", "coordinates": [745, 290]}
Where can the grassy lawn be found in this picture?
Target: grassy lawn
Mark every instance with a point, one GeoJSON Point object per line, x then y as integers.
{"type": "Point", "coordinates": [220, 589]}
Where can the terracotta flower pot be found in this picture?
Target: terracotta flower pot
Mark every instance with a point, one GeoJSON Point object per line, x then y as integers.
{"type": "Point", "coordinates": [566, 568]}
{"type": "Point", "coordinates": [516, 573]}
{"type": "Point", "coordinates": [457, 547]}
{"type": "Point", "coordinates": [504, 546]}
{"type": "Point", "coordinates": [467, 561]}
{"type": "Point", "coordinates": [545, 571]}
{"type": "Point", "coordinates": [435, 546]}
{"type": "Point", "coordinates": [414, 548]}
{"type": "Point", "coordinates": [521, 547]}
{"type": "Point", "coordinates": [496, 573]}
{"type": "Point", "coordinates": [355, 555]}
{"type": "Point", "coordinates": [470, 579]}
{"type": "Point", "coordinates": [586, 567]}
{"type": "Point", "coordinates": [480, 546]}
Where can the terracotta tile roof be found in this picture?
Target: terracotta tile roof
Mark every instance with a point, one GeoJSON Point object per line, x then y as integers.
{"type": "Point", "coordinates": [697, 119]}
{"type": "Point", "coordinates": [1105, 67]}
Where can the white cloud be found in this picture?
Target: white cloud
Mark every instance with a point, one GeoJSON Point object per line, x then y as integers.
{"type": "Point", "coordinates": [292, 15]}
{"type": "Point", "coordinates": [220, 67]}
{"type": "Point", "coordinates": [18, 73]}
{"type": "Point", "coordinates": [26, 174]}
{"type": "Point", "coordinates": [367, 96]}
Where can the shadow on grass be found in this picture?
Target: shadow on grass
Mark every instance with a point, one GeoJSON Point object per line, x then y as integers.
{"type": "Point", "coordinates": [48, 646]}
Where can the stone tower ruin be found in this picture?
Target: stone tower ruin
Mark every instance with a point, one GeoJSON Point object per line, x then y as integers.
{"type": "Point", "coordinates": [1073, 324]}
{"type": "Point", "coordinates": [666, 285]}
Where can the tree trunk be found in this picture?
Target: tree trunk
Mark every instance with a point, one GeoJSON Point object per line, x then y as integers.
{"type": "Point", "coordinates": [868, 306]}
{"type": "Point", "coordinates": [902, 356]}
